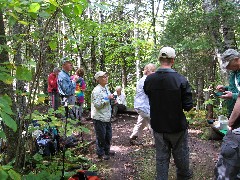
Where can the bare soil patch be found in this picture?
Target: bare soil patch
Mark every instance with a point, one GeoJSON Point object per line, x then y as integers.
{"type": "Point", "coordinates": [138, 162]}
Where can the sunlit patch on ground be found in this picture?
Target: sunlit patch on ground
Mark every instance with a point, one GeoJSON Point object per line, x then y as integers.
{"type": "Point", "coordinates": [194, 131]}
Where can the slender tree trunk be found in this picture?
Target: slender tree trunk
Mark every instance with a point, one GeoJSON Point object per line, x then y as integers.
{"type": "Point", "coordinates": [136, 36]}
{"type": "Point", "coordinates": [101, 42]}
{"type": "Point", "coordinates": [154, 24]}
{"type": "Point", "coordinates": [7, 89]}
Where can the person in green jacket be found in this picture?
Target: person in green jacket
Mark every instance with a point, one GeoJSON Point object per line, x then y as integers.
{"type": "Point", "coordinates": [231, 91]}
{"type": "Point", "coordinates": [228, 165]}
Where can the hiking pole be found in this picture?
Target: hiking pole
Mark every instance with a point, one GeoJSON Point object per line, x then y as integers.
{"type": "Point", "coordinates": [65, 100]}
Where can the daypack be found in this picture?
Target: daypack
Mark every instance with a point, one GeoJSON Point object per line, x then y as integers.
{"type": "Point", "coordinates": [84, 175]}
{"type": "Point", "coordinates": [47, 139]}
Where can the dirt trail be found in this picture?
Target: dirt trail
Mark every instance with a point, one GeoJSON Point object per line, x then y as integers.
{"type": "Point", "coordinates": [125, 164]}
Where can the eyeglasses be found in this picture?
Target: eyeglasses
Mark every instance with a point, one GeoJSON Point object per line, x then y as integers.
{"type": "Point", "coordinates": [104, 76]}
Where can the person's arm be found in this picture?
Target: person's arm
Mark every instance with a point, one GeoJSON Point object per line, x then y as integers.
{"type": "Point", "coordinates": [124, 99]}
{"type": "Point", "coordinates": [99, 99]}
{"type": "Point", "coordinates": [187, 102]}
{"type": "Point", "coordinates": [235, 113]}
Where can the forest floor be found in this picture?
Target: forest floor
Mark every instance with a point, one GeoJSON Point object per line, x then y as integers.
{"type": "Point", "coordinates": [138, 162]}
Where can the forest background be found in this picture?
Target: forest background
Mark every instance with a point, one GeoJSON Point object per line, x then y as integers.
{"type": "Point", "coordinates": [119, 37]}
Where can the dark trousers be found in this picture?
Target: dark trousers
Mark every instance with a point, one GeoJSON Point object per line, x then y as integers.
{"type": "Point", "coordinates": [118, 108]}
{"type": "Point", "coordinates": [54, 100]}
{"type": "Point", "coordinates": [177, 144]}
{"type": "Point", "coordinates": [103, 131]}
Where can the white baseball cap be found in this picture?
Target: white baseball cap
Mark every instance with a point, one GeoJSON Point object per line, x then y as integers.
{"type": "Point", "coordinates": [99, 74]}
{"type": "Point", "coordinates": [167, 52]}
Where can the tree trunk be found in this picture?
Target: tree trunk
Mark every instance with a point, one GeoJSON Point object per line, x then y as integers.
{"type": "Point", "coordinates": [7, 89]}
{"type": "Point", "coordinates": [136, 36]}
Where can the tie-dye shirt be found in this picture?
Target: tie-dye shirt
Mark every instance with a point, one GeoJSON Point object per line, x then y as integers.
{"type": "Point", "coordinates": [80, 88]}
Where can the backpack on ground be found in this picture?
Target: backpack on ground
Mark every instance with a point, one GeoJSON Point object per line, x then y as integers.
{"type": "Point", "coordinates": [84, 175]}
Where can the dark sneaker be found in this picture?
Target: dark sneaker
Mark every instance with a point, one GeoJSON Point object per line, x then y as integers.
{"type": "Point", "coordinates": [106, 157]}
{"type": "Point", "coordinates": [99, 156]}
{"type": "Point", "coordinates": [188, 176]}
{"type": "Point", "coordinates": [111, 153]}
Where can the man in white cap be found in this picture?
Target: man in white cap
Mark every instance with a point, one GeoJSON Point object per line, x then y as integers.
{"type": "Point", "coordinates": [169, 94]}
{"type": "Point", "coordinates": [101, 115]}
{"type": "Point", "coordinates": [228, 165]}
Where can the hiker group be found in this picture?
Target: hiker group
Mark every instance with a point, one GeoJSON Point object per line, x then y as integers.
{"type": "Point", "coordinates": [161, 98]}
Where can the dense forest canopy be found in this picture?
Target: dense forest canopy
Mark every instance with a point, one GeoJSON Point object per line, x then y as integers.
{"type": "Point", "coordinates": [119, 37]}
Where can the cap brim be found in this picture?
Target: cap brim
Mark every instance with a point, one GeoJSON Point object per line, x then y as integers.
{"type": "Point", "coordinates": [224, 65]}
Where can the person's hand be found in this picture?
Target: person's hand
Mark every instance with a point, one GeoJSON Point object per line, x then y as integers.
{"type": "Point", "coordinates": [226, 95]}
{"type": "Point", "coordinates": [229, 128]}
{"type": "Point", "coordinates": [220, 88]}
{"type": "Point", "coordinates": [75, 78]}
{"type": "Point", "coordinates": [110, 96]}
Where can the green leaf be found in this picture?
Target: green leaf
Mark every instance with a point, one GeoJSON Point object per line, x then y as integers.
{"type": "Point", "coordinates": [53, 2]}
{"type": "Point", "coordinates": [7, 167]}
{"type": "Point", "coordinates": [3, 175]}
{"type": "Point", "coordinates": [66, 10]}
{"type": "Point", "coordinates": [23, 73]}
{"type": "Point", "coordinates": [19, 10]}
{"type": "Point", "coordinates": [38, 157]}
{"type": "Point", "coordinates": [44, 14]}
{"type": "Point", "coordinates": [34, 7]}
{"type": "Point", "coordinates": [6, 78]}
{"type": "Point", "coordinates": [13, 15]}
{"type": "Point", "coordinates": [23, 22]}
{"type": "Point", "coordinates": [2, 135]}
{"type": "Point", "coordinates": [14, 175]}
{"type": "Point", "coordinates": [85, 130]}
{"type": "Point", "coordinates": [53, 45]}
{"type": "Point", "coordinates": [8, 121]}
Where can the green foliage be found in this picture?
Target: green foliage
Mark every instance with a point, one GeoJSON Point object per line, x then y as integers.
{"type": "Point", "coordinates": [130, 93]}
{"type": "Point", "coordinates": [7, 172]}
{"type": "Point", "coordinates": [195, 116]}
{"type": "Point", "coordinates": [6, 112]}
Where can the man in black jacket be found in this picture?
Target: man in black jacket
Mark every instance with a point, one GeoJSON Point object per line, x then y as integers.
{"type": "Point", "coordinates": [169, 94]}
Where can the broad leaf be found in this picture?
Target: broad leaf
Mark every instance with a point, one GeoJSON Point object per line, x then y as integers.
{"type": "Point", "coordinates": [3, 175]}
{"type": "Point", "coordinates": [14, 175]}
{"type": "Point", "coordinates": [23, 22]}
{"type": "Point", "coordinates": [53, 45]}
{"type": "Point", "coordinates": [53, 2]}
{"type": "Point", "coordinates": [7, 167]}
{"type": "Point", "coordinates": [8, 121]}
{"type": "Point", "coordinates": [34, 7]}
{"type": "Point", "coordinates": [38, 157]}
{"type": "Point", "coordinates": [23, 73]}
{"type": "Point", "coordinates": [2, 135]}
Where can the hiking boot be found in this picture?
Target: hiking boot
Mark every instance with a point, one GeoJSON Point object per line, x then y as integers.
{"type": "Point", "coordinates": [111, 153]}
{"type": "Point", "coordinates": [99, 156]}
{"type": "Point", "coordinates": [106, 157]}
